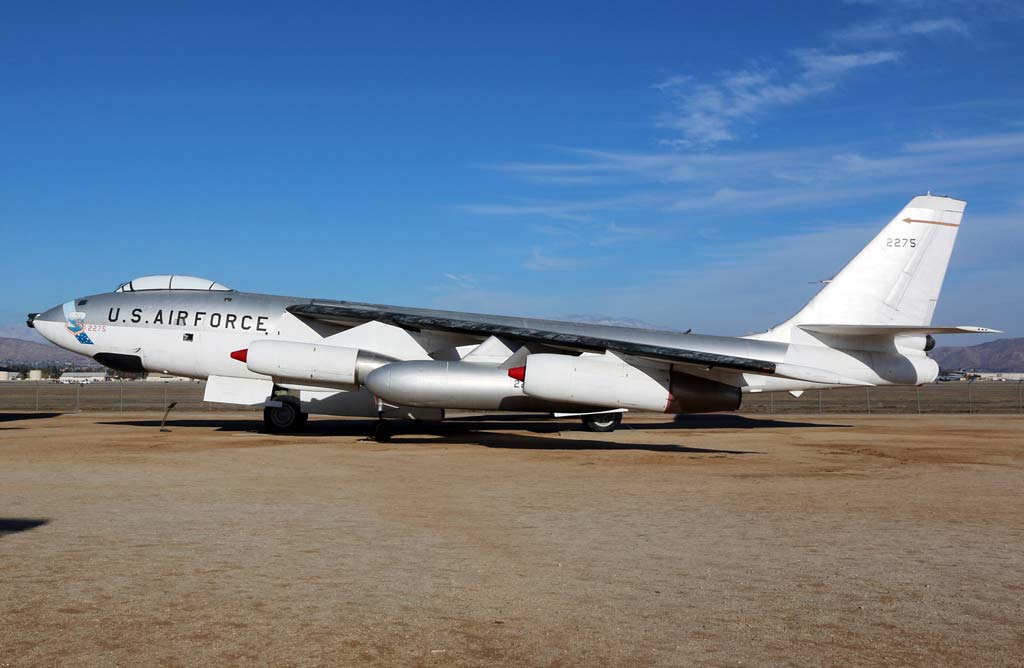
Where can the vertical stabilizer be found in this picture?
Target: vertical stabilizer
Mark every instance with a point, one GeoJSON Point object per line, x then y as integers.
{"type": "Point", "coordinates": [895, 279]}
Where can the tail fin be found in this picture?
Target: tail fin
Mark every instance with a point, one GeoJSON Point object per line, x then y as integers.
{"type": "Point", "coordinates": [895, 279]}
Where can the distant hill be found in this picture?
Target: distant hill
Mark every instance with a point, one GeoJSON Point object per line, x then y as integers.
{"type": "Point", "coordinates": [16, 352]}
{"type": "Point", "coordinates": [998, 355]}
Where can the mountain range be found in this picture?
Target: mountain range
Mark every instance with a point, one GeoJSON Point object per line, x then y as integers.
{"type": "Point", "coordinates": [19, 353]}
{"type": "Point", "coordinates": [999, 355]}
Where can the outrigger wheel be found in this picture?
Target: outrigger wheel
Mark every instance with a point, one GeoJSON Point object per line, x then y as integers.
{"type": "Point", "coordinates": [284, 418]}
{"type": "Point", "coordinates": [602, 421]}
{"type": "Point", "coordinates": [382, 431]}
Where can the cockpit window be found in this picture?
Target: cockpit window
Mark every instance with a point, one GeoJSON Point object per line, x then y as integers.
{"type": "Point", "coordinates": [171, 282]}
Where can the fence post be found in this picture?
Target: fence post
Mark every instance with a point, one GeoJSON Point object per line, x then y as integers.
{"type": "Point", "coordinates": [122, 395]}
{"type": "Point", "coordinates": [78, 397]}
{"type": "Point", "coordinates": [165, 393]}
{"type": "Point", "coordinates": [970, 397]}
{"type": "Point", "coordinates": [771, 403]}
{"type": "Point", "coordinates": [819, 402]}
{"type": "Point", "coordinates": [867, 395]}
{"type": "Point", "coordinates": [917, 393]}
{"type": "Point", "coordinates": [1020, 398]}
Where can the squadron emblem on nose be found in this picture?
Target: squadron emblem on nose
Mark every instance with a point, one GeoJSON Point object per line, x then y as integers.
{"type": "Point", "coordinates": [74, 322]}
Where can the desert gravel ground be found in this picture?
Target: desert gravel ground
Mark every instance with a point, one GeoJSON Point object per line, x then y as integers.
{"type": "Point", "coordinates": [888, 540]}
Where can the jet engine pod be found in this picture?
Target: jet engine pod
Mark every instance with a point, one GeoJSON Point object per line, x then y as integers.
{"type": "Point", "coordinates": [311, 363]}
{"type": "Point", "coordinates": [430, 383]}
{"type": "Point", "coordinates": [609, 382]}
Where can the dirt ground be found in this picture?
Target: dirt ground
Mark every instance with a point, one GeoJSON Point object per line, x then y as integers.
{"type": "Point", "coordinates": [852, 540]}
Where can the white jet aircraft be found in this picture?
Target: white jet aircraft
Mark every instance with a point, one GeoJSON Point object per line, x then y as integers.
{"type": "Point", "coordinates": [870, 325]}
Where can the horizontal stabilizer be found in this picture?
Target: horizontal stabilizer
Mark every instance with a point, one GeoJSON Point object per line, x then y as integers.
{"type": "Point", "coordinates": [895, 330]}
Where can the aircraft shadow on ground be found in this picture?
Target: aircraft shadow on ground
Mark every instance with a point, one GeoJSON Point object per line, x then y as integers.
{"type": "Point", "coordinates": [11, 417]}
{"type": "Point", "coordinates": [491, 439]}
{"type": "Point", "coordinates": [18, 524]}
{"type": "Point", "coordinates": [490, 423]}
{"type": "Point", "coordinates": [491, 431]}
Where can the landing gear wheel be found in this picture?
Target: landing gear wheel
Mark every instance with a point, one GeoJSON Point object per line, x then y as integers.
{"type": "Point", "coordinates": [284, 418]}
{"type": "Point", "coordinates": [602, 421]}
{"type": "Point", "coordinates": [382, 431]}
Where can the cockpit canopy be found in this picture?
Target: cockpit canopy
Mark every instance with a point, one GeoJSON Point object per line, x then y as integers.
{"type": "Point", "coordinates": [170, 282]}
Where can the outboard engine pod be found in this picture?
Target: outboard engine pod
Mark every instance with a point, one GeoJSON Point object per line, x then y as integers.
{"type": "Point", "coordinates": [441, 384]}
{"type": "Point", "coordinates": [612, 383]}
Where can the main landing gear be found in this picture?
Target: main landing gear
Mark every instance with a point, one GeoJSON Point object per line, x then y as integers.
{"type": "Point", "coordinates": [602, 422]}
{"type": "Point", "coordinates": [287, 417]}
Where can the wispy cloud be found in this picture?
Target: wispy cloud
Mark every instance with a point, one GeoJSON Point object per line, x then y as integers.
{"type": "Point", "coordinates": [580, 211]}
{"type": "Point", "coordinates": [464, 281]}
{"type": "Point", "coordinates": [541, 260]}
{"type": "Point", "coordinates": [706, 113]}
{"type": "Point", "coordinates": [1012, 142]}
{"type": "Point", "coordinates": [887, 29]}
{"type": "Point", "coordinates": [669, 181]}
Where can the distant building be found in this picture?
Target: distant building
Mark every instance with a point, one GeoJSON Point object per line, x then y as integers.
{"type": "Point", "coordinates": [166, 377]}
{"type": "Point", "coordinates": [35, 374]}
{"type": "Point", "coordinates": [83, 376]}
{"type": "Point", "coordinates": [1014, 377]}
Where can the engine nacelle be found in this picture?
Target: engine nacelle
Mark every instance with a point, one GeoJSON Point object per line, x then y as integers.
{"type": "Point", "coordinates": [599, 381]}
{"type": "Point", "coordinates": [448, 385]}
{"type": "Point", "coordinates": [312, 363]}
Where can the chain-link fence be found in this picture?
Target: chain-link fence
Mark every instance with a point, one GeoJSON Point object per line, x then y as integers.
{"type": "Point", "coordinates": [108, 396]}
{"type": "Point", "coordinates": [952, 397]}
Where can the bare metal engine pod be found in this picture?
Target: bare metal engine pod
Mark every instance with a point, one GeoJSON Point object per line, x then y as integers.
{"type": "Point", "coordinates": [312, 363]}
{"type": "Point", "coordinates": [599, 381]}
{"type": "Point", "coordinates": [466, 385]}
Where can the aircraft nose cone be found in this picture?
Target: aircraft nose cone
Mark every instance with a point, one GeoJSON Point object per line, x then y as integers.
{"type": "Point", "coordinates": [51, 324]}
{"type": "Point", "coordinates": [44, 322]}
{"type": "Point", "coordinates": [55, 314]}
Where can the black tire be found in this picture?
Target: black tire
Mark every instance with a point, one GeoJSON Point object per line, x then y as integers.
{"type": "Point", "coordinates": [602, 422]}
{"type": "Point", "coordinates": [382, 431]}
{"type": "Point", "coordinates": [284, 418]}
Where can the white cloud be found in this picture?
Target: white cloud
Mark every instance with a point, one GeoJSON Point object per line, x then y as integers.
{"type": "Point", "coordinates": [929, 26]}
{"type": "Point", "coordinates": [899, 26]}
{"type": "Point", "coordinates": [464, 281]}
{"type": "Point", "coordinates": [540, 260]}
{"type": "Point", "coordinates": [756, 180]}
{"type": "Point", "coordinates": [572, 211]}
{"type": "Point", "coordinates": [1012, 141]}
{"type": "Point", "coordinates": [821, 66]}
{"type": "Point", "coordinates": [709, 113]}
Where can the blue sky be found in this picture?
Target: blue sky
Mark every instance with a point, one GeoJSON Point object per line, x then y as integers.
{"type": "Point", "coordinates": [689, 167]}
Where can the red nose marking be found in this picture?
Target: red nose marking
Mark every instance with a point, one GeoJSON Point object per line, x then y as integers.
{"type": "Point", "coordinates": [519, 373]}
{"type": "Point", "coordinates": [240, 355]}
